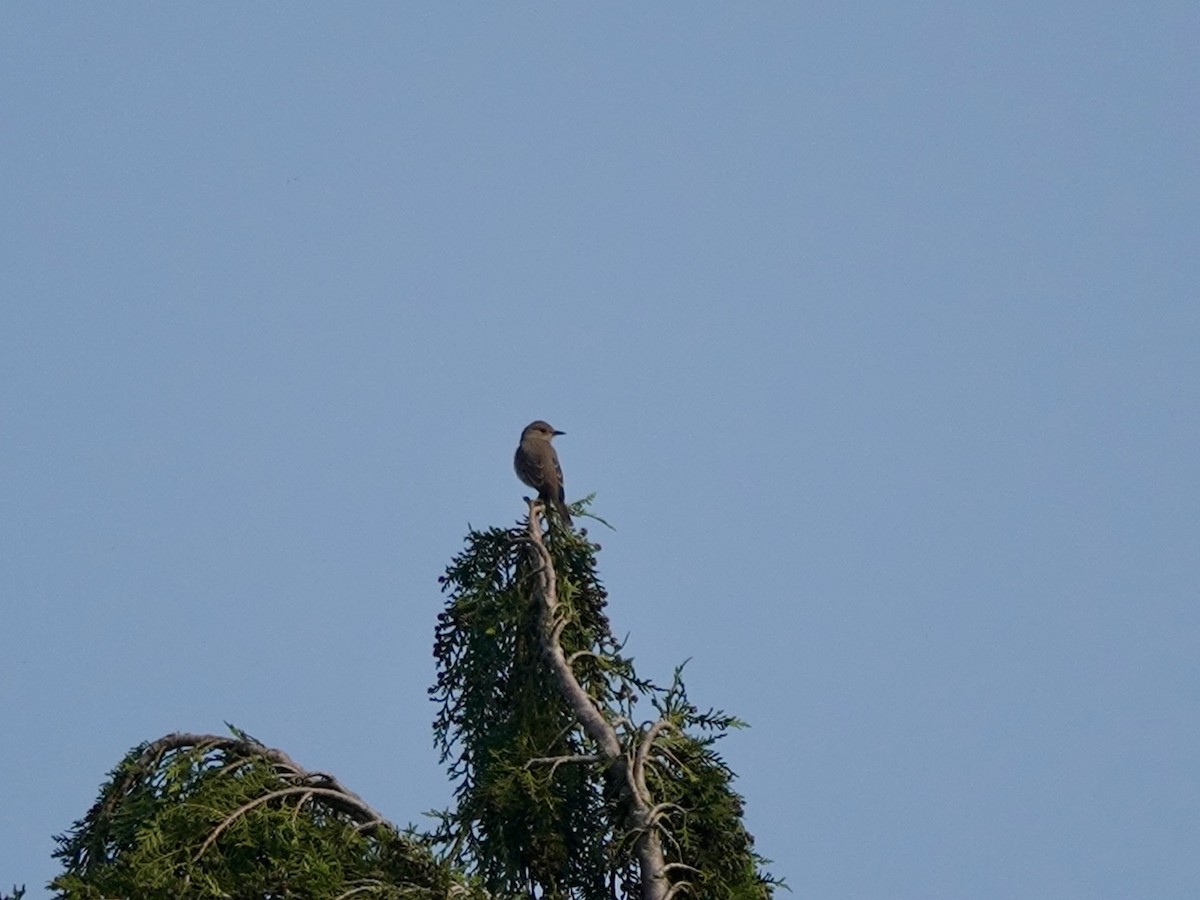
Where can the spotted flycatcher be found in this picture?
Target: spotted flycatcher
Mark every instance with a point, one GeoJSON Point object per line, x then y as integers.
{"type": "Point", "coordinates": [537, 465]}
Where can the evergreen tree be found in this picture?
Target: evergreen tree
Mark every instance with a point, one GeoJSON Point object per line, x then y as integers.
{"type": "Point", "coordinates": [560, 792]}
{"type": "Point", "coordinates": [203, 816]}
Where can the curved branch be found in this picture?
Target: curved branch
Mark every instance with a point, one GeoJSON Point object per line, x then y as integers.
{"type": "Point", "coordinates": [300, 806]}
{"type": "Point", "coordinates": [584, 707]}
{"type": "Point", "coordinates": [555, 761]}
{"type": "Point", "coordinates": [339, 798]}
{"type": "Point", "coordinates": [661, 809]}
{"type": "Point", "coordinates": [643, 751]}
{"type": "Point", "coordinates": [648, 845]}
{"type": "Point", "coordinates": [579, 654]}
{"type": "Point", "coordinates": [671, 866]}
{"type": "Point", "coordinates": [238, 752]}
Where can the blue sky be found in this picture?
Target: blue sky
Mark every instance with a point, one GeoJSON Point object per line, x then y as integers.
{"type": "Point", "coordinates": [874, 329]}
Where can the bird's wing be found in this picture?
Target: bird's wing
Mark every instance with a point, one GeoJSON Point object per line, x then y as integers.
{"type": "Point", "coordinates": [558, 479]}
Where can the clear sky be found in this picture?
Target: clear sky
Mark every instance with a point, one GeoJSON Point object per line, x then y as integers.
{"type": "Point", "coordinates": [874, 327]}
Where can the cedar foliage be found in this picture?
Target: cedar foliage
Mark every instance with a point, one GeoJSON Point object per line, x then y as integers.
{"type": "Point", "coordinates": [537, 813]}
{"type": "Point", "coordinates": [206, 817]}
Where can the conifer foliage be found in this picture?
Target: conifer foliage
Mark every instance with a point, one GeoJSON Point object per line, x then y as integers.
{"type": "Point", "coordinates": [560, 791]}
{"type": "Point", "coordinates": [202, 816]}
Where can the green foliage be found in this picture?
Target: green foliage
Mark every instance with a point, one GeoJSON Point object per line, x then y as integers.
{"type": "Point", "coordinates": [190, 817]}
{"type": "Point", "coordinates": [541, 811]}
{"type": "Point", "coordinates": [521, 826]}
{"type": "Point", "coordinates": [532, 827]}
{"type": "Point", "coordinates": [704, 826]}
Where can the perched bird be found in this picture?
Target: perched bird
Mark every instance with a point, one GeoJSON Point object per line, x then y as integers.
{"type": "Point", "coordinates": [537, 465]}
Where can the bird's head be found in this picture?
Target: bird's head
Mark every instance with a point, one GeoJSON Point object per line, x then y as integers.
{"type": "Point", "coordinates": [540, 430]}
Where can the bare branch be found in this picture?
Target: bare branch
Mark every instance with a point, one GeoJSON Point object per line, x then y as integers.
{"type": "Point", "coordinates": [559, 760]}
{"type": "Point", "coordinates": [300, 805]}
{"type": "Point", "coordinates": [648, 845]}
{"type": "Point", "coordinates": [643, 750]}
{"type": "Point", "coordinates": [555, 761]}
{"type": "Point", "coordinates": [679, 865]}
{"type": "Point", "coordinates": [579, 654]}
{"type": "Point", "coordinates": [259, 801]}
{"type": "Point", "coordinates": [581, 703]}
{"type": "Point", "coordinates": [559, 628]}
{"type": "Point", "coordinates": [661, 809]}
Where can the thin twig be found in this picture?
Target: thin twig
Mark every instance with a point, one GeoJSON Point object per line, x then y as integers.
{"type": "Point", "coordinates": [558, 760]}
{"type": "Point", "coordinates": [555, 761]}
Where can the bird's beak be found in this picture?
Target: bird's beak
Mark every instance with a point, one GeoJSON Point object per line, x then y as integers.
{"type": "Point", "coordinates": [557, 433]}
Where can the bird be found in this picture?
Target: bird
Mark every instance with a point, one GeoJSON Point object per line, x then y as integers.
{"type": "Point", "coordinates": [537, 465]}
